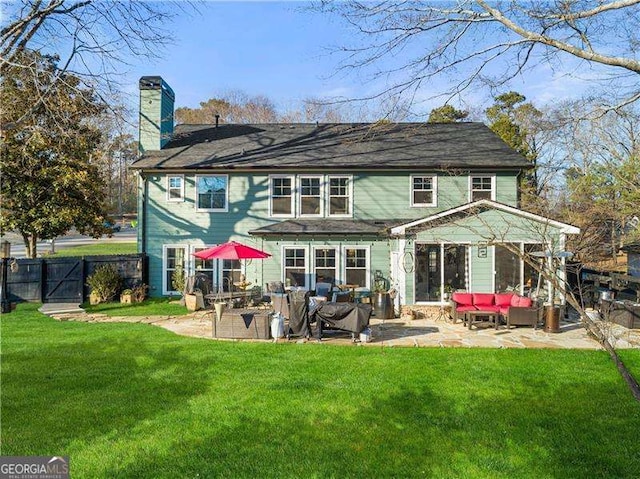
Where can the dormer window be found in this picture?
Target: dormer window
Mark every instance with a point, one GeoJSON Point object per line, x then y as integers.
{"type": "Point", "coordinates": [482, 188]}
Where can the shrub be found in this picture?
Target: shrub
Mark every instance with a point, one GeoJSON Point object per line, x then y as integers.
{"type": "Point", "coordinates": [177, 279]}
{"type": "Point", "coordinates": [139, 292]}
{"type": "Point", "coordinates": [105, 282]}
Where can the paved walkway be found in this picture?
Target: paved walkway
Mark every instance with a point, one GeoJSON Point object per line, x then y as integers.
{"type": "Point", "coordinates": [401, 332]}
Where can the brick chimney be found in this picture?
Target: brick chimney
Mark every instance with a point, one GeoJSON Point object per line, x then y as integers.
{"type": "Point", "coordinates": [156, 113]}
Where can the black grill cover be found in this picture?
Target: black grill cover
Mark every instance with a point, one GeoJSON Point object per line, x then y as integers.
{"type": "Point", "coordinates": [299, 314]}
{"type": "Point", "coordinates": [352, 317]}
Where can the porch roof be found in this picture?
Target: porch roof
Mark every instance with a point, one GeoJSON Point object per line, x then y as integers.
{"type": "Point", "coordinates": [470, 209]}
{"type": "Point", "coordinates": [323, 226]}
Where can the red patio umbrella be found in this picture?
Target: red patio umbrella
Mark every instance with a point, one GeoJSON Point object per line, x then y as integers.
{"type": "Point", "coordinates": [231, 250]}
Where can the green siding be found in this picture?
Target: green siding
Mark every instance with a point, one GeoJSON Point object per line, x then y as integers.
{"type": "Point", "coordinates": [156, 119]}
{"type": "Point", "coordinates": [375, 196]}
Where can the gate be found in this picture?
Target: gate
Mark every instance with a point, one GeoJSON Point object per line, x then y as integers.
{"type": "Point", "coordinates": [63, 281]}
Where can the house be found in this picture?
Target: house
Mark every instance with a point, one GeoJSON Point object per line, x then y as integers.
{"type": "Point", "coordinates": [422, 208]}
{"type": "Point", "coordinates": [633, 258]}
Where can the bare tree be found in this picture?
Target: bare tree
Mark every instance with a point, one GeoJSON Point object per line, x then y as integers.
{"type": "Point", "coordinates": [92, 39]}
{"type": "Point", "coordinates": [408, 44]}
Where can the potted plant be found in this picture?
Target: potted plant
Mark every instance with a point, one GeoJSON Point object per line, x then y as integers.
{"type": "Point", "coordinates": [382, 304]}
{"type": "Point", "coordinates": [126, 297]}
{"type": "Point", "coordinates": [105, 282]}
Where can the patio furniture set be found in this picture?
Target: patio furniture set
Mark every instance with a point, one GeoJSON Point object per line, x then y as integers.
{"type": "Point", "coordinates": [510, 308]}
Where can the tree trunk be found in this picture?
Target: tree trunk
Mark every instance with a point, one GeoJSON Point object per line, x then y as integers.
{"type": "Point", "coordinates": [30, 242]}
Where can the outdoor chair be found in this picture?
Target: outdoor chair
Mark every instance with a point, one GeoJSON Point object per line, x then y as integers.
{"type": "Point", "coordinates": [322, 289]}
{"type": "Point", "coordinates": [341, 297]}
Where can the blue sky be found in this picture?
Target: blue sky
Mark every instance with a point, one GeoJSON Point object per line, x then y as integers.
{"type": "Point", "coordinates": [282, 51]}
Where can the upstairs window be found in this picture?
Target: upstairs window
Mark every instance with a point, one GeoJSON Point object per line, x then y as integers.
{"type": "Point", "coordinates": [212, 193]}
{"type": "Point", "coordinates": [175, 188]}
{"type": "Point", "coordinates": [310, 196]}
{"type": "Point", "coordinates": [339, 196]}
{"type": "Point", "coordinates": [423, 191]}
{"type": "Point", "coordinates": [281, 195]}
{"type": "Point", "coordinates": [482, 188]}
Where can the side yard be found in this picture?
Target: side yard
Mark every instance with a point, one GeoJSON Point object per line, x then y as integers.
{"type": "Point", "coordinates": [132, 400]}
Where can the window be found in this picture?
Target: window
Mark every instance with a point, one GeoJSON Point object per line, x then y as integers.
{"type": "Point", "coordinates": [206, 267]}
{"type": "Point", "coordinates": [531, 276]}
{"type": "Point", "coordinates": [482, 188]}
{"type": "Point", "coordinates": [325, 265]}
{"type": "Point", "coordinates": [339, 196]}
{"type": "Point", "coordinates": [175, 188]}
{"type": "Point", "coordinates": [173, 259]}
{"type": "Point", "coordinates": [212, 193]}
{"type": "Point", "coordinates": [455, 267]}
{"type": "Point", "coordinates": [295, 267]}
{"type": "Point", "coordinates": [231, 272]}
{"type": "Point", "coordinates": [281, 195]}
{"type": "Point", "coordinates": [507, 267]}
{"type": "Point", "coordinates": [310, 196]}
{"type": "Point", "coordinates": [356, 266]}
{"type": "Point", "coordinates": [423, 191]}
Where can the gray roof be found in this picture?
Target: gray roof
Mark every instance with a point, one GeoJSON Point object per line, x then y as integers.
{"type": "Point", "coordinates": [631, 247]}
{"type": "Point", "coordinates": [305, 146]}
{"type": "Point", "coordinates": [323, 226]}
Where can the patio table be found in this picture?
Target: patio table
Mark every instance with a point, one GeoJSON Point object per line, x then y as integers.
{"type": "Point", "coordinates": [471, 317]}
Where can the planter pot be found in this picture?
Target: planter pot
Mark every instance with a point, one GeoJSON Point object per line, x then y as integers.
{"type": "Point", "coordinates": [383, 306]}
{"type": "Point", "coordinates": [126, 298]}
{"type": "Point", "coordinates": [194, 302]}
{"type": "Point", "coordinates": [94, 299]}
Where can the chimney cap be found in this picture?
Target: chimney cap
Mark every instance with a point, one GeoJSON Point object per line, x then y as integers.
{"type": "Point", "coordinates": [156, 82]}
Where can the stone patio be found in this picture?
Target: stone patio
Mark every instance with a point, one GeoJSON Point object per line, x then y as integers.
{"type": "Point", "coordinates": [403, 332]}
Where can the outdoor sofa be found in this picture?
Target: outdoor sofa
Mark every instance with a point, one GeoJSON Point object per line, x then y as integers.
{"type": "Point", "coordinates": [515, 309]}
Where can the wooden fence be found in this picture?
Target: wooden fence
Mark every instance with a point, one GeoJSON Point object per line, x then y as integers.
{"type": "Point", "coordinates": [64, 280]}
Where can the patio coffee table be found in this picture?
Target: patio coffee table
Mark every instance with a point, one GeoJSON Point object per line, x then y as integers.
{"type": "Point", "coordinates": [472, 317]}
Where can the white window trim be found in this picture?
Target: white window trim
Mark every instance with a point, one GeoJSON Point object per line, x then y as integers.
{"type": "Point", "coordinates": [307, 263]}
{"type": "Point", "coordinates": [434, 189]}
{"type": "Point", "coordinates": [442, 245]}
{"type": "Point", "coordinates": [328, 197]}
{"type": "Point", "coordinates": [165, 287]}
{"type": "Point", "coordinates": [343, 266]}
{"type": "Point", "coordinates": [298, 195]}
{"type": "Point", "coordinates": [482, 175]}
{"type": "Point", "coordinates": [175, 200]}
{"type": "Point", "coordinates": [226, 199]}
{"type": "Point", "coordinates": [293, 195]}
{"type": "Point", "coordinates": [336, 248]}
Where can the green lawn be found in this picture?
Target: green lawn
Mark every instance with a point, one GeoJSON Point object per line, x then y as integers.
{"type": "Point", "coordinates": [150, 307]}
{"type": "Point", "coordinates": [97, 249]}
{"type": "Point", "coordinates": [133, 400]}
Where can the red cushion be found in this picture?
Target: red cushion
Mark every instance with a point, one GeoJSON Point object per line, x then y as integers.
{"type": "Point", "coordinates": [463, 299]}
{"type": "Point", "coordinates": [521, 301]}
{"type": "Point", "coordinates": [504, 310]}
{"type": "Point", "coordinates": [482, 299]}
{"type": "Point", "coordinates": [503, 299]}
